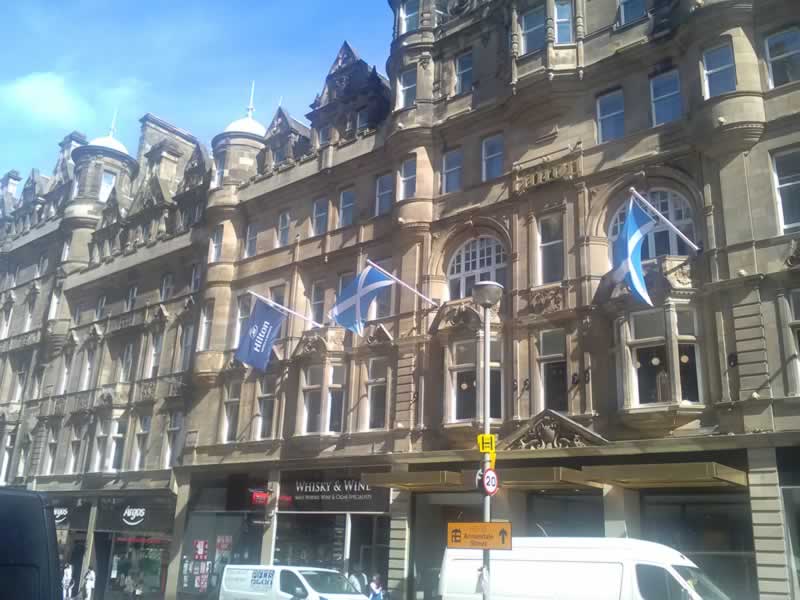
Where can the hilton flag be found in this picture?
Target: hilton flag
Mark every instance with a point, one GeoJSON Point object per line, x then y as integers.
{"type": "Point", "coordinates": [255, 343]}
{"type": "Point", "coordinates": [352, 305]}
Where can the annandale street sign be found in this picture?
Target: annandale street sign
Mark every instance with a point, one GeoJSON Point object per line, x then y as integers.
{"type": "Point", "coordinates": [480, 536]}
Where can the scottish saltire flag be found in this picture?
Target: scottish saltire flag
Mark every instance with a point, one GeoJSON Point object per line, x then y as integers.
{"type": "Point", "coordinates": [352, 305]}
{"type": "Point", "coordinates": [627, 251]}
{"type": "Point", "coordinates": [255, 342]}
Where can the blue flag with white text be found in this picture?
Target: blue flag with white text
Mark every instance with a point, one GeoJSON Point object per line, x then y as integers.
{"type": "Point", "coordinates": [255, 342]}
{"type": "Point", "coordinates": [627, 251]}
{"type": "Point", "coordinates": [352, 304]}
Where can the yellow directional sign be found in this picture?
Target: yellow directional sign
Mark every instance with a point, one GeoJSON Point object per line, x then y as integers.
{"type": "Point", "coordinates": [487, 442]}
{"type": "Point", "coordinates": [480, 536]}
{"type": "Point", "coordinates": [493, 459]}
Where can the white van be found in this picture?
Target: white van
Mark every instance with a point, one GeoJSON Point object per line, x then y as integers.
{"type": "Point", "coordinates": [577, 569]}
{"type": "Point", "coordinates": [251, 582]}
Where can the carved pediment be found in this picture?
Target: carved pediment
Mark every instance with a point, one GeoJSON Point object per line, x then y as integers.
{"type": "Point", "coordinates": [309, 345]}
{"type": "Point", "coordinates": [461, 314]}
{"type": "Point", "coordinates": [320, 341]}
{"type": "Point", "coordinates": [549, 430]}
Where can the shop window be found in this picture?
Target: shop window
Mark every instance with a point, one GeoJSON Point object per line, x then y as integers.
{"type": "Point", "coordinates": [172, 451]}
{"type": "Point", "coordinates": [319, 216]}
{"type": "Point", "coordinates": [610, 116]}
{"type": "Point", "coordinates": [142, 437]}
{"type": "Point", "coordinates": [233, 393]}
{"type": "Point", "coordinates": [786, 169]}
{"type": "Point", "coordinates": [661, 240]}
{"type": "Point", "coordinates": [452, 167]}
{"type": "Point", "coordinates": [650, 355]}
{"type": "Point", "coordinates": [565, 515]}
{"type": "Point", "coordinates": [553, 366]}
{"type": "Point", "coordinates": [551, 248]}
{"type": "Point", "coordinates": [482, 259]}
{"type": "Point", "coordinates": [783, 56]}
{"type": "Point", "coordinates": [533, 32]}
{"type": "Point", "coordinates": [464, 364]}
{"type": "Point", "coordinates": [376, 392]}
{"type": "Point", "coordinates": [719, 71]}
{"type": "Point", "coordinates": [267, 393]}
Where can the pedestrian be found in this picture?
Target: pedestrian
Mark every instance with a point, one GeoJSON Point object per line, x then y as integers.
{"type": "Point", "coordinates": [66, 582]}
{"type": "Point", "coordinates": [376, 588]}
{"type": "Point", "coordinates": [358, 579]}
{"type": "Point", "coordinates": [130, 586]}
{"type": "Point", "coordinates": [88, 583]}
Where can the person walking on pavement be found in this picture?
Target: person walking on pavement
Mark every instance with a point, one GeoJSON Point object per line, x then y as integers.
{"type": "Point", "coordinates": [88, 583]}
{"type": "Point", "coordinates": [358, 579]}
{"type": "Point", "coordinates": [376, 588]}
{"type": "Point", "coordinates": [66, 582]}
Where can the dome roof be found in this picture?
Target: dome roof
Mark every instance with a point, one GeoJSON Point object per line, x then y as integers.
{"type": "Point", "coordinates": [247, 125]}
{"type": "Point", "coordinates": [109, 142]}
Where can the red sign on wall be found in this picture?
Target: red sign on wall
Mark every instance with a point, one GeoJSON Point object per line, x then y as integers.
{"type": "Point", "coordinates": [259, 498]}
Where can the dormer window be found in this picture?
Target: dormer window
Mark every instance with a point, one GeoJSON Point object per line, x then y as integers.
{"type": "Point", "coordinates": [409, 16]}
{"type": "Point", "coordinates": [325, 135]}
{"type": "Point", "coordinates": [279, 155]}
{"type": "Point", "coordinates": [109, 180]}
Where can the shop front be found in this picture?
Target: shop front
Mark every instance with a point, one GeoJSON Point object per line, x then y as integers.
{"type": "Point", "coordinates": [131, 544]}
{"type": "Point", "coordinates": [334, 520]}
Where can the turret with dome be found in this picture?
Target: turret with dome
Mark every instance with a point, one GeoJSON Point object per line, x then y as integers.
{"type": "Point", "coordinates": [237, 148]}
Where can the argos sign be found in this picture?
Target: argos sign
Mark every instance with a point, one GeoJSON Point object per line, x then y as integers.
{"type": "Point", "coordinates": [133, 516]}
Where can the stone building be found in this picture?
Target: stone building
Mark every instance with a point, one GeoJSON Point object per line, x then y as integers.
{"type": "Point", "coordinates": [501, 146]}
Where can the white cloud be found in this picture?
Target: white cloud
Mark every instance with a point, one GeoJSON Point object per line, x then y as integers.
{"type": "Point", "coordinates": [45, 99]}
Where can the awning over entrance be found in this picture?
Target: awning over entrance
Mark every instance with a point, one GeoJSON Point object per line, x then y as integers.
{"type": "Point", "coordinates": [545, 478]}
{"type": "Point", "coordinates": [417, 481]}
{"type": "Point", "coordinates": [667, 475]}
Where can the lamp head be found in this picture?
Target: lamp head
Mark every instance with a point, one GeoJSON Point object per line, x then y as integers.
{"type": "Point", "coordinates": [487, 293]}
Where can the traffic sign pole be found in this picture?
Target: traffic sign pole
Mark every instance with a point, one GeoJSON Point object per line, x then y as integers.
{"type": "Point", "coordinates": [487, 431]}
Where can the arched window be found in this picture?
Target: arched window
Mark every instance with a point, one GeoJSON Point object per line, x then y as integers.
{"type": "Point", "coordinates": [661, 240]}
{"type": "Point", "coordinates": [481, 259]}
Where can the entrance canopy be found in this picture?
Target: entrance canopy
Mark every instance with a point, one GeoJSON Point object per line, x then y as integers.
{"type": "Point", "coordinates": [668, 475]}
{"type": "Point", "coordinates": [417, 481]}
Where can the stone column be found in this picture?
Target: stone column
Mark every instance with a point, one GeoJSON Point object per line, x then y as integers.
{"type": "Point", "coordinates": [399, 544]}
{"type": "Point", "coordinates": [268, 539]}
{"type": "Point", "coordinates": [621, 512]}
{"type": "Point", "coordinates": [673, 358]}
{"type": "Point", "coordinates": [769, 533]}
{"type": "Point", "coordinates": [182, 482]}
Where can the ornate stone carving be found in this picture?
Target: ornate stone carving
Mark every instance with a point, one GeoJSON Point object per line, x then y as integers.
{"type": "Point", "coordinates": [680, 277]}
{"type": "Point", "coordinates": [545, 171]}
{"type": "Point", "coordinates": [547, 300]}
{"type": "Point", "coordinates": [377, 335]}
{"type": "Point", "coordinates": [551, 430]}
{"type": "Point", "coordinates": [793, 260]}
{"type": "Point", "coordinates": [463, 316]}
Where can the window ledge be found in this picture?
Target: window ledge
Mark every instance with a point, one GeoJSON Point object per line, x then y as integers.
{"type": "Point", "coordinates": [659, 418]}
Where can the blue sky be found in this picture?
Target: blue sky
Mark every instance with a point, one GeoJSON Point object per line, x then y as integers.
{"type": "Point", "coordinates": [67, 65]}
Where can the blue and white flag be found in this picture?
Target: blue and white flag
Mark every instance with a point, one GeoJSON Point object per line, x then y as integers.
{"type": "Point", "coordinates": [352, 305]}
{"type": "Point", "coordinates": [628, 251]}
{"type": "Point", "coordinates": [255, 342]}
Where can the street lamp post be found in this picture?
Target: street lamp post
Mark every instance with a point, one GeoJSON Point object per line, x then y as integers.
{"type": "Point", "coordinates": [486, 294]}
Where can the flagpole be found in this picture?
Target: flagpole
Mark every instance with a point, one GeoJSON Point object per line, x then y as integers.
{"type": "Point", "coordinates": [403, 283]}
{"type": "Point", "coordinates": [283, 308]}
{"type": "Point", "coordinates": [664, 220]}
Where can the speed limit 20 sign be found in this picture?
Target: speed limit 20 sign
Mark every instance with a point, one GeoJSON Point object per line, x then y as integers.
{"type": "Point", "coordinates": [490, 482]}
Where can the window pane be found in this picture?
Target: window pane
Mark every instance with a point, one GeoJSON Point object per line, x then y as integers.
{"type": "Point", "coordinates": [465, 395]}
{"type": "Point", "coordinates": [656, 583]}
{"type": "Point", "coordinates": [786, 69]}
{"type": "Point", "coordinates": [685, 322]}
{"type": "Point", "coordinates": [652, 374]}
{"type": "Point", "coordinates": [611, 103]}
{"type": "Point", "coordinates": [313, 401]}
{"type": "Point", "coordinates": [552, 263]}
{"type": "Point", "coordinates": [496, 394]}
{"type": "Point", "coordinates": [550, 229]}
{"type": "Point", "coordinates": [338, 375]}
{"type": "Point", "coordinates": [232, 421]}
{"type": "Point", "coordinates": [314, 376]}
{"type": "Point", "coordinates": [495, 351]}
{"type": "Point", "coordinates": [564, 33]}
{"type": "Point", "coordinates": [377, 368]}
{"type": "Point", "coordinates": [688, 368]}
{"type": "Point", "coordinates": [336, 401]}
{"type": "Point", "coordinates": [553, 343]}
{"type": "Point", "coordinates": [377, 406]}
{"type": "Point", "coordinates": [465, 353]}
{"type": "Point", "coordinates": [718, 58]}
{"type": "Point", "coordinates": [648, 325]}
{"type": "Point", "coordinates": [554, 379]}
{"type": "Point", "coordinates": [721, 82]}
{"type": "Point", "coordinates": [632, 10]}
{"type": "Point", "coordinates": [267, 406]}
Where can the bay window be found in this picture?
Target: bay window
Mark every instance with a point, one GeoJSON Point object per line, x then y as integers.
{"type": "Point", "coordinates": [664, 356]}
{"type": "Point", "coordinates": [107, 184]}
{"type": "Point", "coordinates": [533, 31]}
{"type": "Point", "coordinates": [564, 22]}
{"type": "Point", "coordinates": [553, 369]}
{"type": "Point", "coordinates": [312, 398]}
{"type": "Point", "coordinates": [408, 88]}
{"type": "Point", "coordinates": [186, 344]}
{"type": "Point", "coordinates": [409, 16]}
{"type": "Point", "coordinates": [719, 71]}
{"type": "Point", "coordinates": [195, 277]}
{"type": "Point", "coordinates": [408, 178]}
